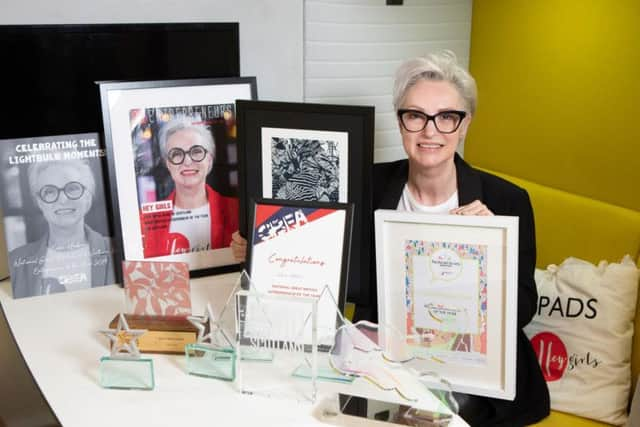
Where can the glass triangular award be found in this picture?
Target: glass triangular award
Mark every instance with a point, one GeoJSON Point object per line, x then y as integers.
{"type": "Point", "coordinates": [327, 328]}
{"type": "Point", "coordinates": [275, 335]}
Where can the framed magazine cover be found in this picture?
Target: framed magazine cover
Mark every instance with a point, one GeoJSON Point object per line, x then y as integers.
{"type": "Point", "coordinates": [173, 169]}
{"type": "Point", "coordinates": [315, 153]}
{"type": "Point", "coordinates": [447, 297]}
{"type": "Point", "coordinates": [302, 249]}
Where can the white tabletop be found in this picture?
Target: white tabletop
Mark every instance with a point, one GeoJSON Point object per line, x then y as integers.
{"type": "Point", "coordinates": [59, 339]}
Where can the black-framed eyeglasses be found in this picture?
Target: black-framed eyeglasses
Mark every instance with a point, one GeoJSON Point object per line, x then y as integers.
{"type": "Point", "coordinates": [445, 121]}
{"type": "Point", "coordinates": [50, 193]}
{"type": "Point", "coordinates": [197, 153]}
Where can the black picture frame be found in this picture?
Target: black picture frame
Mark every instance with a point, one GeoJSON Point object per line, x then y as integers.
{"type": "Point", "coordinates": [140, 180]}
{"type": "Point", "coordinates": [305, 119]}
{"type": "Point", "coordinates": [64, 99]}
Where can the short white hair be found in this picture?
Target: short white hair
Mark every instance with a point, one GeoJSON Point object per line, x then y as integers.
{"type": "Point", "coordinates": [184, 123]}
{"type": "Point", "coordinates": [440, 66]}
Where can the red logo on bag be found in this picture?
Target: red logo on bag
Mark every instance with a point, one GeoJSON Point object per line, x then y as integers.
{"type": "Point", "coordinates": [552, 355]}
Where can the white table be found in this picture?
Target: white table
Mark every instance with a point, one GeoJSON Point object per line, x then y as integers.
{"type": "Point", "coordinates": [59, 339]}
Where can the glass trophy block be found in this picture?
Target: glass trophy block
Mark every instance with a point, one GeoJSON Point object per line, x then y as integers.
{"type": "Point", "coordinates": [277, 336]}
{"type": "Point", "coordinates": [126, 373]}
{"type": "Point", "coordinates": [394, 392]}
{"type": "Point", "coordinates": [207, 361]}
{"type": "Point", "coordinates": [214, 355]}
{"type": "Point", "coordinates": [124, 368]}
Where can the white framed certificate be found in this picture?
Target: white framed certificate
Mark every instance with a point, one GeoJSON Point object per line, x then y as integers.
{"type": "Point", "coordinates": [301, 250]}
{"type": "Point", "coordinates": [447, 296]}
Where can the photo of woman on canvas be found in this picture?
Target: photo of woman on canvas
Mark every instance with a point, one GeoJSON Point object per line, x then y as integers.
{"type": "Point", "coordinates": [194, 217]}
{"type": "Point", "coordinates": [70, 255]}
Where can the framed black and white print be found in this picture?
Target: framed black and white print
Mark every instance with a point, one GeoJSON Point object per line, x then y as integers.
{"type": "Point", "coordinates": [304, 165]}
{"type": "Point", "coordinates": [310, 153]}
{"type": "Point", "coordinates": [173, 169]}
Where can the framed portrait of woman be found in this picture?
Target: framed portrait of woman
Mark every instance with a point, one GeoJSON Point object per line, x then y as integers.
{"type": "Point", "coordinates": [173, 169]}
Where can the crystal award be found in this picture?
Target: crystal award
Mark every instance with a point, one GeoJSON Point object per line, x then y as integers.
{"type": "Point", "coordinates": [213, 354]}
{"type": "Point", "coordinates": [124, 368]}
{"type": "Point", "coordinates": [276, 335]}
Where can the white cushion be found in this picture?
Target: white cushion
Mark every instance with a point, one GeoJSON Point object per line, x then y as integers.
{"type": "Point", "coordinates": [582, 335]}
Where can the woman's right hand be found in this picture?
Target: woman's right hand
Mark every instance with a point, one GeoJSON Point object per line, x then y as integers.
{"type": "Point", "coordinates": [238, 246]}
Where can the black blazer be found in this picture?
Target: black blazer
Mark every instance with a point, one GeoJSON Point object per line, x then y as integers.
{"type": "Point", "coordinates": [531, 403]}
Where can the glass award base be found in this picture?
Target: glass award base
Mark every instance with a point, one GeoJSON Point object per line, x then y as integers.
{"type": "Point", "coordinates": [257, 354]}
{"type": "Point", "coordinates": [206, 361]}
{"type": "Point", "coordinates": [324, 374]}
{"type": "Point", "coordinates": [124, 373]}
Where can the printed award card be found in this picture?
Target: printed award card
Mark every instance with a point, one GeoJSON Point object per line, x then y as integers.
{"type": "Point", "coordinates": [447, 291]}
{"type": "Point", "coordinates": [55, 214]}
{"type": "Point", "coordinates": [301, 250]}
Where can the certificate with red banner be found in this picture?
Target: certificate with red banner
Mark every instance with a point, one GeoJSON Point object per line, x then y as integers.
{"type": "Point", "coordinates": [301, 249]}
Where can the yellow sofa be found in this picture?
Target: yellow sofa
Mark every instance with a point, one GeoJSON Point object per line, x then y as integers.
{"type": "Point", "coordinates": [572, 225]}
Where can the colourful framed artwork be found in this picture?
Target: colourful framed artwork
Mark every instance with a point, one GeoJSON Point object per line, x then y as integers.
{"type": "Point", "coordinates": [447, 288]}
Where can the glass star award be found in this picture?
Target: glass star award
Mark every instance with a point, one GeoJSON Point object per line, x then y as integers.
{"type": "Point", "coordinates": [124, 368]}
{"type": "Point", "coordinates": [213, 354]}
{"type": "Point", "coordinates": [330, 321]}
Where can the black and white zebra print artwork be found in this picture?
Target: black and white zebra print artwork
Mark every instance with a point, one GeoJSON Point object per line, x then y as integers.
{"type": "Point", "coordinates": [305, 169]}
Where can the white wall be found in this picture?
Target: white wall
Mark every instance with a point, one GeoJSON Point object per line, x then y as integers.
{"type": "Point", "coordinates": [270, 30]}
{"type": "Point", "coordinates": [353, 47]}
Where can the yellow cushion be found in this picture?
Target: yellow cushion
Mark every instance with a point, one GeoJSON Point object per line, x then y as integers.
{"type": "Point", "coordinates": [572, 225]}
{"type": "Point", "coordinates": [565, 420]}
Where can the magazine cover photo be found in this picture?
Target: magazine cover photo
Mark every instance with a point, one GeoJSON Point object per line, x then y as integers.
{"type": "Point", "coordinates": [186, 176]}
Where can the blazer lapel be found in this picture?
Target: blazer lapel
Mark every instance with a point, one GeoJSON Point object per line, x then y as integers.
{"type": "Point", "coordinates": [394, 187]}
{"type": "Point", "coordinates": [469, 184]}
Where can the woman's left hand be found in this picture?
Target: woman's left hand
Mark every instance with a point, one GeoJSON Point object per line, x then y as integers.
{"type": "Point", "coordinates": [474, 208]}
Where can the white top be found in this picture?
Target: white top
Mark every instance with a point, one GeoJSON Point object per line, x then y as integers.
{"type": "Point", "coordinates": [195, 225]}
{"type": "Point", "coordinates": [409, 204]}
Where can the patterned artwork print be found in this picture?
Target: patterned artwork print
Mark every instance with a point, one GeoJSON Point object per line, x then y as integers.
{"type": "Point", "coordinates": [305, 169]}
{"type": "Point", "coordinates": [157, 288]}
{"type": "Point", "coordinates": [437, 339]}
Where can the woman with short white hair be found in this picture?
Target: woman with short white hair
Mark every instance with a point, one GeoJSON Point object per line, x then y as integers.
{"type": "Point", "coordinates": [199, 218]}
{"type": "Point", "coordinates": [70, 255]}
{"type": "Point", "coordinates": [435, 100]}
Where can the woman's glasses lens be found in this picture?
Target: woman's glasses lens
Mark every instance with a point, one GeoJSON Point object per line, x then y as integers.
{"type": "Point", "coordinates": [445, 121]}
{"type": "Point", "coordinates": [197, 153]}
{"type": "Point", "coordinates": [72, 190]}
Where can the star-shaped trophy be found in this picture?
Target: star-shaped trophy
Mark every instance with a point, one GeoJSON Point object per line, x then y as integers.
{"type": "Point", "coordinates": [124, 368]}
{"type": "Point", "coordinates": [124, 341]}
{"type": "Point", "coordinates": [210, 330]}
{"type": "Point", "coordinates": [213, 354]}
